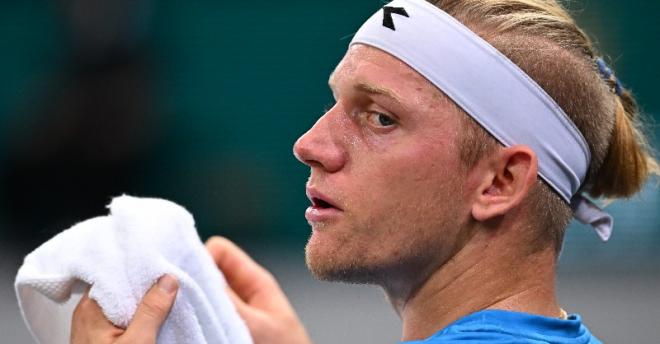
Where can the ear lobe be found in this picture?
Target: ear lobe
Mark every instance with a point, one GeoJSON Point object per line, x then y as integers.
{"type": "Point", "coordinates": [510, 176]}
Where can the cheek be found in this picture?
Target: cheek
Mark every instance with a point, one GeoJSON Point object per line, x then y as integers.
{"type": "Point", "coordinates": [409, 168]}
{"type": "Point", "coordinates": [415, 184]}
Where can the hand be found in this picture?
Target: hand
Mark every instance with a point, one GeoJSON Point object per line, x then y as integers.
{"type": "Point", "coordinates": [258, 298]}
{"type": "Point", "coordinates": [89, 325]}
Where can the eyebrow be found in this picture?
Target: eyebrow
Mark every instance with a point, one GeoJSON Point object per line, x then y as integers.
{"type": "Point", "coordinates": [374, 90]}
{"type": "Point", "coordinates": [379, 90]}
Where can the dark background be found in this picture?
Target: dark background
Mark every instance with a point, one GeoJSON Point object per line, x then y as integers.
{"type": "Point", "coordinates": [200, 102]}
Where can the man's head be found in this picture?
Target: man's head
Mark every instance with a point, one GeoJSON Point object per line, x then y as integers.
{"type": "Point", "coordinates": [387, 155]}
{"type": "Point", "coordinates": [416, 179]}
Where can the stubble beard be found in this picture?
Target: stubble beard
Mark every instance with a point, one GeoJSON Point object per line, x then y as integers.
{"type": "Point", "coordinates": [355, 267]}
{"type": "Point", "coordinates": [332, 270]}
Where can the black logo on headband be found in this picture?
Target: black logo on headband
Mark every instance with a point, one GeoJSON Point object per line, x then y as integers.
{"type": "Point", "coordinates": [388, 22]}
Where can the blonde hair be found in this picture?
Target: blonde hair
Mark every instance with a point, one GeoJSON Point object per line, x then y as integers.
{"type": "Point", "coordinates": [543, 40]}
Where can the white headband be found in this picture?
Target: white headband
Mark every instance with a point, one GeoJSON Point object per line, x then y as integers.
{"type": "Point", "coordinates": [494, 91]}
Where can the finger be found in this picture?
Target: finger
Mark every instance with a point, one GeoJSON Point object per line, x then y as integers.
{"type": "Point", "coordinates": [88, 322]}
{"type": "Point", "coordinates": [256, 320]}
{"type": "Point", "coordinates": [90, 311]}
{"type": "Point", "coordinates": [152, 311]}
{"type": "Point", "coordinates": [244, 275]}
{"type": "Point", "coordinates": [263, 326]}
{"type": "Point", "coordinates": [245, 311]}
{"type": "Point", "coordinates": [258, 298]}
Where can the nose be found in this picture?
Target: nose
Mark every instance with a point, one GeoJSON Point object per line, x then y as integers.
{"type": "Point", "coordinates": [319, 146]}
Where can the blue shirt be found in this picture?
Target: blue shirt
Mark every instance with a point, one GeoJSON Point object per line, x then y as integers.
{"type": "Point", "coordinates": [498, 327]}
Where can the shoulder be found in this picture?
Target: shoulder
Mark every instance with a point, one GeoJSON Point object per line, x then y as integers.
{"type": "Point", "coordinates": [474, 337]}
{"type": "Point", "coordinates": [500, 327]}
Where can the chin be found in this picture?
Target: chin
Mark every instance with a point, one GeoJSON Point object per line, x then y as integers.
{"type": "Point", "coordinates": [337, 262]}
{"type": "Point", "coordinates": [334, 259]}
{"type": "Point", "coordinates": [346, 272]}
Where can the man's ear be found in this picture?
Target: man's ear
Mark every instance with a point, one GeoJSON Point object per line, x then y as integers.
{"type": "Point", "coordinates": [505, 180]}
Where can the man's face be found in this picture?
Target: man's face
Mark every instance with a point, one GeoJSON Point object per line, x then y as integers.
{"type": "Point", "coordinates": [386, 179]}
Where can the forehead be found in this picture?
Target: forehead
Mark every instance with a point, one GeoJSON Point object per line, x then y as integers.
{"type": "Point", "coordinates": [365, 64]}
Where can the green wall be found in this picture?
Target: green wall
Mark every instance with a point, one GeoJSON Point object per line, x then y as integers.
{"type": "Point", "coordinates": [235, 83]}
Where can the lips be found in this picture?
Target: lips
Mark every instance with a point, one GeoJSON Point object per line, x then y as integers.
{"type": "Point", "coordinates": [323, 208]}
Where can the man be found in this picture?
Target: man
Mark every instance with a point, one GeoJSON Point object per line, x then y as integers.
{"type": "Point", "coordinates": [407, 192]}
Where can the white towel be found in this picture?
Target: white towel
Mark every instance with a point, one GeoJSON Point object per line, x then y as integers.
{"type": "Point", "coordinates": [121, 255]}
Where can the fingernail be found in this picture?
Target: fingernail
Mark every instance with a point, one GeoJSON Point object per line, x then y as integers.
{"type": "Point", "coordinates": [168, 283]}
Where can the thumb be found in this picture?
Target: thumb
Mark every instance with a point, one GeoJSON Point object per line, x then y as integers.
{"type": "Point", "coordinates": [152, 311]}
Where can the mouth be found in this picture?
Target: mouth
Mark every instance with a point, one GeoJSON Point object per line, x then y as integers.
{"type": "Point", "coordinates": [322, 208]}
{"type": "Point", "coordinates": [320, 200]}
{"type": "Point", "coordinates": [321, 203]}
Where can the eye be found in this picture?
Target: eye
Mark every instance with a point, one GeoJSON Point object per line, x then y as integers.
{"type": "Point", "coordinates": [381, 120]}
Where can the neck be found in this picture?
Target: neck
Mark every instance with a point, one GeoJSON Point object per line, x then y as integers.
{"type": "Point", "coordinates": [484, 274]}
